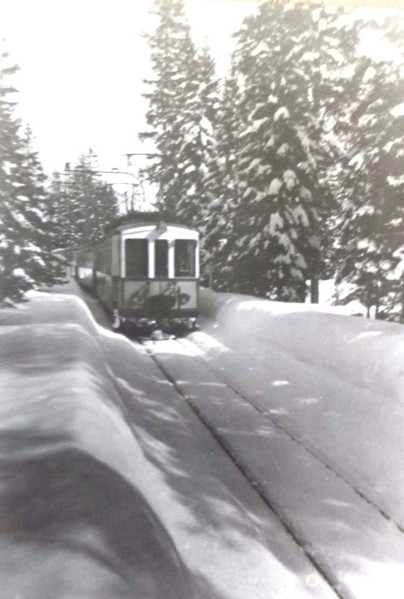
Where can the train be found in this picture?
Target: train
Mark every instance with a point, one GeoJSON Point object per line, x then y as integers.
{"type": "Point", "coordinates": [145, 273]}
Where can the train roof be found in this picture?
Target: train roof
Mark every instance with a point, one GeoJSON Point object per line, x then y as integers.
{"type": "Point", "coordinates": [138, 221]}
{"type": "Point", "coordinates": [138, 218]}
{"type": "Point", "coordinates": [146, 223]}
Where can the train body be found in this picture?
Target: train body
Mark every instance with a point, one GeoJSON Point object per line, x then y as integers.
{"type": "Point", "coordinates": [145, 273]}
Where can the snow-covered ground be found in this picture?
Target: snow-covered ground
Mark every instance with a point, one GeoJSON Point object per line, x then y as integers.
{"type": "Point", "coordinates": [366, 353]}
{"type": "Point", "coordinates": [334, 384]}
{"type": "Point", "coordinates": [74, 521]}
{"type": "Point", "coordinates": [111, 487]}
{"type": "Point", "coordinates": [321, 432]}
{"type": "Point", "coordinates": [331, 296]}
{"type": "Point", "coordinates": [336, 381]}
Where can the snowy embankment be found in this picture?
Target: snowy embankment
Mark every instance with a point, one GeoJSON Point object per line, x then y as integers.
{"type": "Point", "coordinates": [335, 382]}
{"type": "Point", "coordinates": [110, 485]}
{"type": "Point", "coordinates": [368, 353]}
{"type": "Point", "coordinates": [74, 523]}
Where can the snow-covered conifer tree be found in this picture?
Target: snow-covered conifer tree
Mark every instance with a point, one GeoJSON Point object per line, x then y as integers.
{"type": "Point", "coordinates": [371, 224]}
{"type": "Point", "coordinates": [38, 233]}
{"type": "Point", "coordinates": [57, 208]}
{"type": "Point", "coordinates": [87, 204]}
{"type": "Point", "coordinates": [275, 243]}
{"type": "Point", "coordinates": [223, 183]}
{"type": "Point", "coordinates": [25, 234]}
{"type": "Point", "coordinates": [170, 47]}
{"type": "Point", "coordinates": [182, 100]}
{"type": "Point", "coordinates": [196, 123]}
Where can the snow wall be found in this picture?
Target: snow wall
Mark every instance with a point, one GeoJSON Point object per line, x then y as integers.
{"type": "Point", "coordinates": [367, 353]}
{"type": "Point", "coordinates": [78, 524]}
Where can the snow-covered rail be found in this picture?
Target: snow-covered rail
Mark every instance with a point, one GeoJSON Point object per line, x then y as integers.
{"type": "Point", "coordinates": [285, 428]}
{"type": "Point", "coordinates": [351, 541]}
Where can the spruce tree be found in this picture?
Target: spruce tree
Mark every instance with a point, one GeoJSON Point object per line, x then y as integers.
{"type": "Point", "coordinates": [170, 47]}
{"type": "Point", "coordinates": [182, 100]}
{"type": "Point", "coordinates": [25, 235]}
{"type": "Point", "coordinates": [57, 209]}
{"type": "Point", "coordinates": [196, 132]}
{"type": "Point", "coordinates": [81, 204]}
{"type": "Point", "coordinates": [13, 281]}
{"type": "Point", "coordinates": [371, 224]}
{"type": "Point", "coordinates": [223, 183]}
{"type": "Point", "coordinates": [275, 241]}
{"type": "Point", "coordinates": [38, 231]}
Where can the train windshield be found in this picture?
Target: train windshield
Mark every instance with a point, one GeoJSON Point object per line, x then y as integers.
{"type": "Point", "coordinates": [137, 260]}
{"type": "Point", "coordinates": [185, 258]}
{"type": "Point", "coordinates": [161, 258]}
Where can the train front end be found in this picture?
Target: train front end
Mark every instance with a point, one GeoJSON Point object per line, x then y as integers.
{"type": "Point", "coordinates": [157, 283]}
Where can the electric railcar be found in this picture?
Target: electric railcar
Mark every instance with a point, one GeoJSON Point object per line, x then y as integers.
{"type": "Point", "coordinates": [146, 275]}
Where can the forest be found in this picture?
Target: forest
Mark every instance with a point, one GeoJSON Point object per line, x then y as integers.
{"type": "Point", "coordinates": [291, 165]}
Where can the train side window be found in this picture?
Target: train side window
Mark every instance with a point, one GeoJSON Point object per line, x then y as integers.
{"type": "Point", "coordinates": [137, 260]}
{"type": "Point", "coordinates": [185, 258]}
{"type": "Point", "coordinates": [161, 258]}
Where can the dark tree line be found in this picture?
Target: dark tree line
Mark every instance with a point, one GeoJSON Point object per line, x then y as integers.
{"type": "Point", "coordinates": [292, 167]}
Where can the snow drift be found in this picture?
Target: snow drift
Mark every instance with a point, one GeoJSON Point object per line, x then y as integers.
{"type": "Point", "coordinates": [334, 382]}
{"type": "Point", "coordinates": [366, 352]}
{"type": "Point", "coordinates": [74, 522]}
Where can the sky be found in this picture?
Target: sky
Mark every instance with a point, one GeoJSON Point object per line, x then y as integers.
{"type": "Point", "coordinates": [82, 63]}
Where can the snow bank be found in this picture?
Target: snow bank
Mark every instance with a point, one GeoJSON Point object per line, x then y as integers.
{"type": "Point", "coordinates": [100, 456]}
{"type": "Point", "coordinates": [335, 382]}
{"type": "Point", "coordinates": [75, 520]}
{"type": "Point", "coordinates": [365, 352]}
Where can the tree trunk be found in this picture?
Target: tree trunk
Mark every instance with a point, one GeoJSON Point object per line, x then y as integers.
{"type": "Point", "coordinates": [402, 299]}
{"type": "Point", "coordinates": [315, 278]}
{"type": "Point", "coordinates": [314, 288]}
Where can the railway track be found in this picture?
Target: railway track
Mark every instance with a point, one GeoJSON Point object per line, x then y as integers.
{"type": "Point", "coordinates": [191, 347]}
{"type": "Point", "coordinates": [189, 362]}
{"type": "Point", "coordinates": [249, 475]}
{"type": "Point", "coordinates": [287, 430]}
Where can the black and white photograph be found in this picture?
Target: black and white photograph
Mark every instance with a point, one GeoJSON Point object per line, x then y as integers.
{"type": "Point", "coordinates": [201, 299]}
